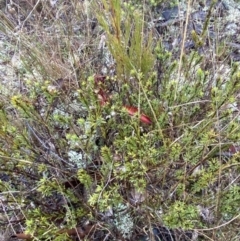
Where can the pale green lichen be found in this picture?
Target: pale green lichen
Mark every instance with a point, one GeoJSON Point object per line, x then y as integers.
{"type": "Point", "coordinates": [124, 221]}
{"type": "Point", "coordinates": [77, 158]}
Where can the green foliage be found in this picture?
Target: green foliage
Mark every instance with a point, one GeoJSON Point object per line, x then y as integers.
{"type": "Point", "coordinates": [206, 178]}
{"type": "Point", "coordinates": [84, 178]}
{"type": "Point", "coordinates": [181, 215]}
{"type": "Point", "coordinates": [229, 202]}
{"type": "Point", "coordinates": [105, 197]}
{"type": "Point", "coordinates": [126, 42]}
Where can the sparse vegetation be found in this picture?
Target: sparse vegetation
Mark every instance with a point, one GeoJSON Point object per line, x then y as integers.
{"type": "Point", "coordinates": [109, 132]}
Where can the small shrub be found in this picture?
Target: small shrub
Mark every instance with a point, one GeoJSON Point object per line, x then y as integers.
{"type": "Point", "coordinates": [74, 146]}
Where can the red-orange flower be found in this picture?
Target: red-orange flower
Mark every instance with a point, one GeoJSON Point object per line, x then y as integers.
{"type": "Point", "coordinates": [103, 98]}
{"type": "Point", "coordinates": [134, 110]}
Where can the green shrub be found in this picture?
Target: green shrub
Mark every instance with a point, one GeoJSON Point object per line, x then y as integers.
{"type": "Point", "coordinates": [71, 158]}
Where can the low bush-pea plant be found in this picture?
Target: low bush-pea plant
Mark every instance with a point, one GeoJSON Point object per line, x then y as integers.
{"type": "Point", "coordinates": [70, 159]}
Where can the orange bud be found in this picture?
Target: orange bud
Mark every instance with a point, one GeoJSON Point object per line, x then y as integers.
{"type": "Point", "coordinates": [134, 110]}
{"type": "Point", "coordinates": [145, 119]}
{"type": "Point", "coordinates": [102, 97]}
